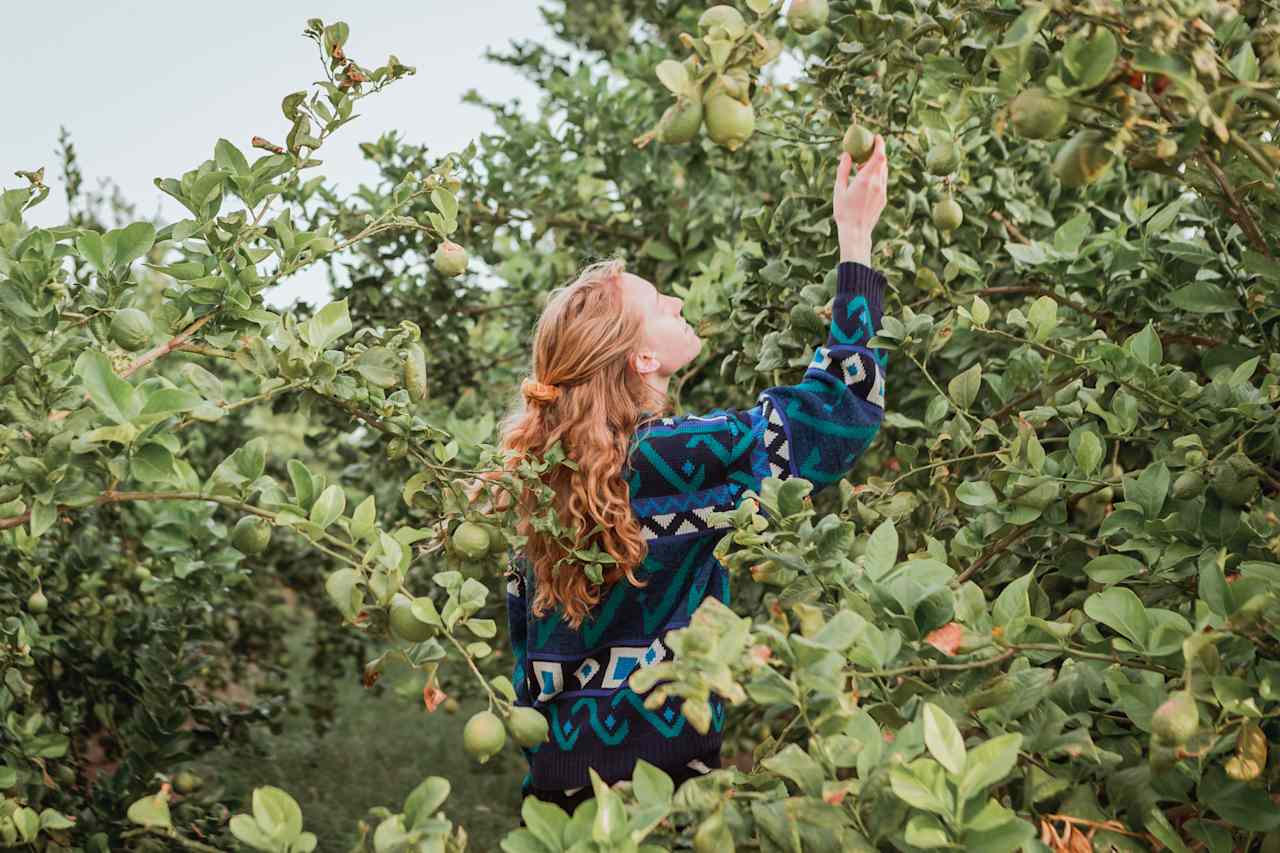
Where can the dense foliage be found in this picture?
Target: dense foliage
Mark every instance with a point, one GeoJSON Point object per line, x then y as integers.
{"type": "Point", "coordinates": [1045, 610]}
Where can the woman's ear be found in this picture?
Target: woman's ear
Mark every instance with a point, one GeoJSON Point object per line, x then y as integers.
{"type": "Point", "coordinates": [645, 362]}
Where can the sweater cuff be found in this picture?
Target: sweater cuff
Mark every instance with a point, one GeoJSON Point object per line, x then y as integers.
{"type": "Point", "coordinates": [854, 279]}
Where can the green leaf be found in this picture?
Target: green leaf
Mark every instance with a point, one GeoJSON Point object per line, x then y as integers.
{"type": "Point", "coordinates": [882, 549]}
{"type": "Point", "coordinates": [1005, 838]}
{"type": "Point", "coordinates": [1112, 568]}
{"type": "Point", "coordinates": [445, 203]}
{"type": "Point", "coordinates": [379, 366]}
{"type": "Point", "coordinates": [164, 402]}
{"type": "Point", "coordinates": [1204, 298]}
{"type": "Point", "coordinates": [963, 387]}
{"type": "Point", "coordinates": [425, 800]}
{"type": "Point", "coordinates": [1245, 63]}
{"type": "Point", "coordinates": [113, 396]}
{"type": "Point", "coordinates": [976, 493]}
{"type": "Point", "coordinates": [1071, 234]}
{"type": "Point", "coordinates": [1087, 449]}
{"type": "Point", "coordinates": [362, 520]}
{"type": "Point", "coordinates": [28, 822]}
{"type": "Point", "coordinates": [277, 814]}
{"type": "Point", "coordinates": [247, 831]}
{"type": "Point", "coordinates": [1149, 489]}
{"type": "Point", "coordinates": [151, 810]}
{"type": "Point", "coordinates": [651, 785]}
{"type": "Point", "coordinates": [328, 507]}
{"type": "Point", "coordinates": [988, 763]}
{"type": "Point", "coordinates": [128, 244]}
{"type": "Point", "coordinates": [43, 515]}
{"type": "Point", "coordinates": [1245, 805]}
{"type": "Point", "coordinates": [329, 323]}
{"type": "Point", "coordinates": [1122, 611]}
{"type": "Point", "coordinates": [943, 739]}
{"type": "Point", "coordinates": [227, 156]}
{"type": "Point", "coordinates": [1090, 60]}
{"type": "Point", "coordinates": [797, 765]}
{"type": "Point", "coordinates": [343, 587]}
{"type": "Point", "coordinates": [1013, 602]}
{"type": "Point", "coordinates": [916, 791]}
{"type": "Point", "coordinates": [545, 821]}
{"type": "Point", "coordinates": [926, 832]}
{"type": "Point", "coordinates": [94, 250]}
{"type": "Point", "coordinates": [1043, 317]}
{"type": "Point", "coordinates": [153, 463]}
{"type": "Point", "coordinates": [1145, 346]}
{"type": "Point", "coordinates": [674, 76]}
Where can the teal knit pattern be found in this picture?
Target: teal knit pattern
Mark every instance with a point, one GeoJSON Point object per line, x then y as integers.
{"type": "Point", "coordinates": [680, 470]}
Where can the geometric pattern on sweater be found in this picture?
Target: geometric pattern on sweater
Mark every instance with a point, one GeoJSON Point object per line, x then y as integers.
{"type": "Point", "coordinates": [679, 470]}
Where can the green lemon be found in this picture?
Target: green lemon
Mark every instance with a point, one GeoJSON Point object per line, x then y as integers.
{"type": "Point", "coordinates": [404, 624]}
{"type": "Point", "coordinates": [251, 535]}
{"type": "Point", "coordinates": [858, 142]}
{"type": "Point", "coordinates": [528, 726]}
{"type": "Point", "coordinates": [807, 16]}
{"type": "Point", "coordinates": [471, 540]}
{"type": "Point", "coordinates": [1176, 721]}
{"type": "Point", "coordinates": [131, 329]}
{"type": "Point", "coordinates": [484, 736]}
{"type": "Point", "coordinates": [37, 603]}
{"type": "Point", "coordinates": [450, 259]}
{"type": "Point", "coordinates": [729, 121]}
{"type": "Point", "coordinates": [947, 215]}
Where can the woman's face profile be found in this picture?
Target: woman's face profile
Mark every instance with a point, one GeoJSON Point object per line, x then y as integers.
{"type": "Point", "coordinates": [665, 334]}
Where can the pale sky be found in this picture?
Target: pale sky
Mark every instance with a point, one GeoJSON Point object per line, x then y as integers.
{"type": "Point", "coordinates": [147, 88]}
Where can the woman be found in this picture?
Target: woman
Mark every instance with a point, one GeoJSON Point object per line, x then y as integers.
{"type": "Point", "coordinates": [604, 351]}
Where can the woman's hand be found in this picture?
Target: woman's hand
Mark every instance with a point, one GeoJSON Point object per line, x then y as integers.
{"type": "Point", "coordinates": [856, 204]}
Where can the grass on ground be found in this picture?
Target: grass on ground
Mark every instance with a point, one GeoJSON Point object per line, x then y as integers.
{"type": "Point", "coordinates": [379, 749]}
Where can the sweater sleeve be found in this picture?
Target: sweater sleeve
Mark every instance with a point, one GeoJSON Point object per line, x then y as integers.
{"type": "Point", "coordinates": [816, 429]}
{"type": "Point", "coordinates": [517, 623]}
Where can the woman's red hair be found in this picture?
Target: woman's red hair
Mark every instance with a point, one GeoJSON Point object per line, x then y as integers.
{"type": "Point", "coordinates": [582, 347]}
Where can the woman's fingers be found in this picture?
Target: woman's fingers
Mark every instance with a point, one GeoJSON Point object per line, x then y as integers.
{"type": "Point", "coordinates": [842, 171]}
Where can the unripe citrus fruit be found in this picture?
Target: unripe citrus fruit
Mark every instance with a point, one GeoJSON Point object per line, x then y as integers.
{"type": "Point", "coordinates": [858, 142]}
{"type": "Point", "coordinates": [1176, 721]}
{"type": "Point", "coordinates": [483, 737]}
{"type": "Point", "coordinates": [471, 540]}
{"type": "Point", "coordinates": [947, 214]}
{"type": "Point", "coordinates": [1188, 485]}
{"type": "Point", "coordinates": [450, 259]}
{"type": "Point", "coordinates": [729, 121]}
{"type": "Point", "coordinates": [1035, 114]}
{"type": "Point", "coordinates": [186, 782]}
{"type": "Point", "coordinates": [404, 624]}
{"type": "Point", "coordinates": [37, 603]}
{"type": "Point", "coordinates": [251, 535]}
{"type": "Point", "coordinates": [724, 16]}
{"type": "Point", "coordinates": [415, 373]}
{"type": "Point", "coordinates": [681, 121]}
{"type": "Point", "coordinates": [1082, 159]}
{"type": "Point", "coordinates": [1233, 480]}
{"type": "Point", "coordinates": [807, 16]}
{"type": "Point", "coordinates": [528, 726]}
{"type": "Point", "coordinates": [131, 329]}
{"type": "Point", "coordinates": [451, 705]}
{"type": "Point", "coordinates": [942, 159]}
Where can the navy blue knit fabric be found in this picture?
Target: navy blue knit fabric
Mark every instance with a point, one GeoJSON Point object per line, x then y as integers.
{"type": "Point", "coordinates": [681, 469]}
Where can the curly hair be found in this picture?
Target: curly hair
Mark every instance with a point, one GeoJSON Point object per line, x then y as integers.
{"type": "Point", "coordinates": [585, 394]}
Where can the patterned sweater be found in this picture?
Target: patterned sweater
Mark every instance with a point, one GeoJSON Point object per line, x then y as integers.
{"type": "Point", "coordinates": [681, 469]}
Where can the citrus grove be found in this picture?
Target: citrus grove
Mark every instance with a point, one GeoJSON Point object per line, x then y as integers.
{"type": "Point", "coordinates": [1044, 612]}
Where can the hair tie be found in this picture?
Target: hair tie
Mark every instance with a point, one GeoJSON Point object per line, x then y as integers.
{"type": "Point", "coordinates": [540, 392]}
